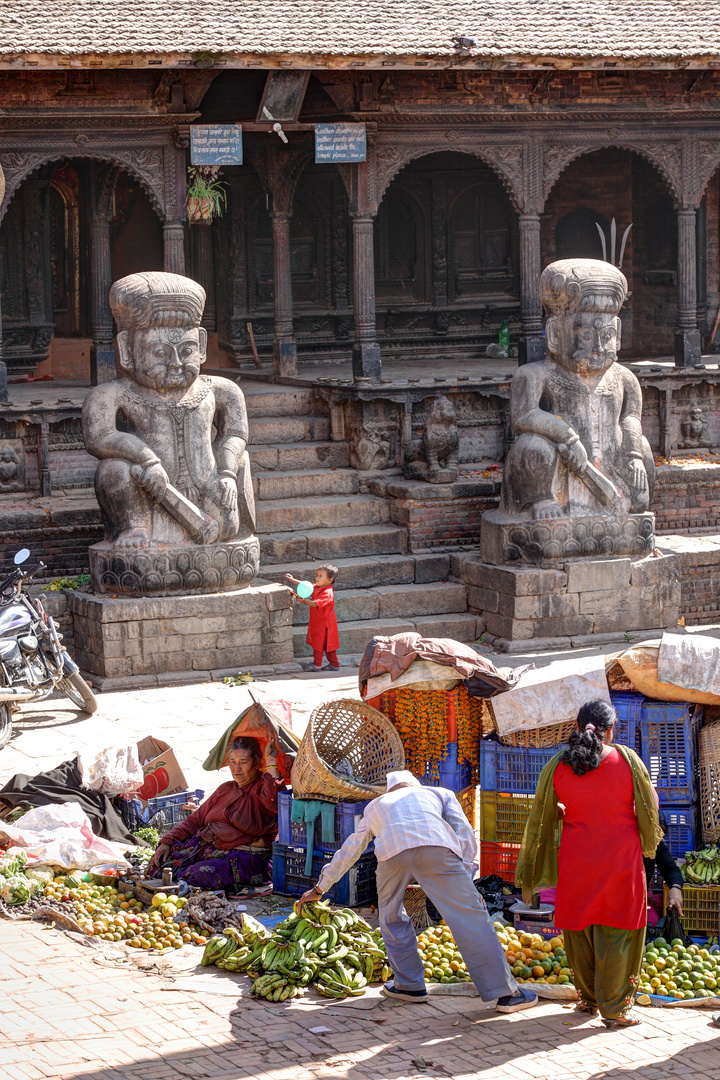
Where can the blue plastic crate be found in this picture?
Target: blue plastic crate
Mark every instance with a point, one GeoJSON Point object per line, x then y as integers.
{"type": "Point", "coordinates": [668, 746]}
{"type": "Point", "coordinates": [356, 887]}
{"type": "Point", "coordinates": [347, 819]}
{"type": "Point", "coordinates": [628, 707]}
{"type": "Point", "coordinates": [165, 812]}
{"type": "Point", "coordinates": [682, 829]}
{"type": "Point", "coordinates": [512, 769]}
{"type": "Point", "coordinates": [451, 774]}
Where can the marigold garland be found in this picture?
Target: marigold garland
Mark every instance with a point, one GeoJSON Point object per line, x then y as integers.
{"type": "Point", "coordinates": [420, 717]}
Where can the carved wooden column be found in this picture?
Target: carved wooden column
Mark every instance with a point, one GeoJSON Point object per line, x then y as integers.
{"type": "Point", "coordinates": [439, 241]}
{"type": "Point", "coordinates": [284, 344]}
{"type": "Point", "coordinates": [687, 336]}
{"type": "Point", "coordinates": [366, 350]}
{"type": "Point", "coordinates": [4, 396]}
{"type": "Point", "coordinates": [203, 244]}
{"type": "Point", "coordinates": [532, 340]}
{"type": "Point", "coordinates": [174, 247]}
{"type": "Point", "coordinates": [102, 353]}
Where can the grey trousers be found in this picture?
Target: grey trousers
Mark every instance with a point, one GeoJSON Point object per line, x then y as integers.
{"type": "Point", "coordinates": [444, 879]}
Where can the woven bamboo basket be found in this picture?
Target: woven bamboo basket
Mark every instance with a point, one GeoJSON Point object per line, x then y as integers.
{"type": "Point", "coordinates": [536, 738]}
{"type": "Point", "coordinates": [346, 753]}
{"type": "Point", "coordinates": [415, 904]}
{"type": "Point", "coordinates": [709, 770]}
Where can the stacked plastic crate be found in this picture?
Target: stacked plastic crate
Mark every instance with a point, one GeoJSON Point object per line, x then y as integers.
{"type": "Point", "coordinates": [356, 887]}
{"type": "Point", "coordinates": [668, 746]}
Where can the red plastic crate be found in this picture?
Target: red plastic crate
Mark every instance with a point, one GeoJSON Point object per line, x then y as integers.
{"type": "Point", "coordinates": [500, 859]}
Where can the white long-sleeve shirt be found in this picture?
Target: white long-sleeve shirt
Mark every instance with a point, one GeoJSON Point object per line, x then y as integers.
{"type": "Point", "coordinates": [406, 817]}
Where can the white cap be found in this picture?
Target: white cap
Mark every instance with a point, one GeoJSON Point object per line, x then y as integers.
{"type": "Point", "coordinates": [402, 776]}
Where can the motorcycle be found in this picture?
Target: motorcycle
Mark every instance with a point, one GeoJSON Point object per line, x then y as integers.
{"type": "Point", "coordinates": [33, 662]}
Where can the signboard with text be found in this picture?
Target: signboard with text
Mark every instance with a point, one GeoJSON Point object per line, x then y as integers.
{"type": "Point", "coordinates": [216, 144]}
{"type": "Point", "coordinates": [340, 142]}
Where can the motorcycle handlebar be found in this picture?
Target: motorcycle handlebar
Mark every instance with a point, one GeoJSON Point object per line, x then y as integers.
{"type": "Point", "coordinates": [19, 575]}
{"type": "Point", "coordinates": [39, 565]}
{"type": "Point", "coordinates": [9, 580]}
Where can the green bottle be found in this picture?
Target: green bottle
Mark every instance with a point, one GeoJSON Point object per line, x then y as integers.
{"type": "Point", "coordinates": [504, 336]}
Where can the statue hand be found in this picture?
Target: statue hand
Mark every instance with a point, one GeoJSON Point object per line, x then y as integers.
{"type": "Point", "coordinates": [228, 493]}
{"type": "Point", "coordinates": [638, 477]}
{"type": "Point", "coordinates": [575, 457]}
{"type": "Point", "coordinates": [153, 480]}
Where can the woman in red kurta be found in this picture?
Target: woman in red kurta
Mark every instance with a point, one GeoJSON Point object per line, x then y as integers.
{"type": "Point", "coordinates": [601, 899]}
{"type": "Point", "coordinates": [227, 842]}
{"type": "Point", "coordinates": [322, 635]}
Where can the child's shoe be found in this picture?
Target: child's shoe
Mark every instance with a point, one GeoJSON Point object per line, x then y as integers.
{"type": "Point", "coordinates": [311, 667]}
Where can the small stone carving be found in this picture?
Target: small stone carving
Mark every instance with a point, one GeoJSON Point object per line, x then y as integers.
{"type": "Point", "coordinates": [11, 469]}
{"type": "Point", "coordinates": [173, 465]}
{"type": "Point", "coordinates": [435, 457]}
{"type": "Point", "coordinates": [580, 450]}
{"type": "Point", "coordinates": [371, 448]}
{"type": "Point", "coordinates": [694, 428]}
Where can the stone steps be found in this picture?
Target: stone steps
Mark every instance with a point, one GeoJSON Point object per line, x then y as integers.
{"type": "Point", "coordinates": [366, 572]}
{"type": "Point", "coordinates": [295, 401]}
{"type": "Point", "coordinates": [332, 511]}
{"type": "Point", "coordinates": [354, 636]}
{"type": "Point", "coordinates": [393, 602]}
{"type": "Point", "coordinates": [301, 483]}
{"type": "Point", "coordinates": [328, 544]}
{"type": "Point", "coordinates": [289, 429]}
{"type": "Point", "coordinates": [291, 457]}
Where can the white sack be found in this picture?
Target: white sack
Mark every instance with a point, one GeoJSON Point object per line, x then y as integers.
{"type": "Point", "coordinates": [421, 675]}
{"type": "Point", "coordinates": [691, 661]}
{"type": "Point", "coordinates": [61, 835]}
{"type": "Point", "coordinates": [550, 695]}
{"type": "Point", "coordinates": [115, 770]}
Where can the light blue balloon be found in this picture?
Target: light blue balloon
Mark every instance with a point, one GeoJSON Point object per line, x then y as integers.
{"type": "Point", "coordinates": [304, 590]}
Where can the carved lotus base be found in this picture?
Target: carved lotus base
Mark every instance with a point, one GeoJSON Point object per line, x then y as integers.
{"type": "Point", "coordinates": [175, 568]}
{"type": "Point", "coordinates": [551, 540]}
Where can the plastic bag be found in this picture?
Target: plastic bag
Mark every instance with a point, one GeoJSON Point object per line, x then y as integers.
{"type": "Point", "coordinates": [62, 836]}
{"type": "Point", "coordinates": [116, 770]}
{"type": "Point", "coordinates": [674, 928]}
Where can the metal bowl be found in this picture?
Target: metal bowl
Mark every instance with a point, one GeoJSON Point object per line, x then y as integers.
{"type": "Point", "coordinates": [99, 877]}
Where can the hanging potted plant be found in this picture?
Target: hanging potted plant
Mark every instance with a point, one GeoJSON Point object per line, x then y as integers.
{"type": "Point", "coordinates": [206, 195]}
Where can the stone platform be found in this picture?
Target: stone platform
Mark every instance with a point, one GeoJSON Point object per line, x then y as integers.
{"type": "Point", "coordinates": [553, 540]}
{"type": "Point", "coordinates": [117, 638]}
{"type": "Point", "coordinates": [174, 569]}
{"type": "Point", "coordinates": [579, 603]}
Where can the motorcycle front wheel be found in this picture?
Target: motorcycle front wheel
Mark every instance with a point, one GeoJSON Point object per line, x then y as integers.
{"type": "Point", "coordinates": [74, 687]}
{"type": "Point", "coordinates": [5, 724]}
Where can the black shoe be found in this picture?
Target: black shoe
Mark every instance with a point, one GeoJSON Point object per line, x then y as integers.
{"type": "Point", "coordinates": [403, 997]}
{"type": "Point", "coordinates": [521, 999]}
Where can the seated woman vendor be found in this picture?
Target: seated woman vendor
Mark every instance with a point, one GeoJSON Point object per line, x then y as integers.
{"type": "Point", "coordinates": [227, 843]}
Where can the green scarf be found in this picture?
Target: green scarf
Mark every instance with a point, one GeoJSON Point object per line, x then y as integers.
{"type": "Point", "coordinates": [537, 866]}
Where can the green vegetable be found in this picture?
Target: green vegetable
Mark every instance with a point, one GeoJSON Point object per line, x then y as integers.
{"type": "Point", "coordinates": [12, 863]}
{"type": "Point", "coordinates": [148, 834]}
{"type": "Point", "coordinates": [72, 882]}
{"type": "Point", "coordinates": [15, 890]}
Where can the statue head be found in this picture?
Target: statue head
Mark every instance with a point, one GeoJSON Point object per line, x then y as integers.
{"type": "Point", "coordinates": [441, 411]}
{"type": "Point", "coordinates": [583, 298]}
{"type": "Point", "coordinates": [160, 342]}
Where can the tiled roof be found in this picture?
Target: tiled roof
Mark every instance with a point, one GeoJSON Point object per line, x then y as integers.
{"type": "Point", "coordinates": [622, 29]}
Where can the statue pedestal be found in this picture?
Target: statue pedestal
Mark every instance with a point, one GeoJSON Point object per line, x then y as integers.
{"type": "Point", "coordinates": [121, 638]}
{"type": "Point", "coordinates": [547, 541]}
{"type": "Point", "coordinates": [173, 569]}
{"type": "Point", "coordinates": [580, 602]}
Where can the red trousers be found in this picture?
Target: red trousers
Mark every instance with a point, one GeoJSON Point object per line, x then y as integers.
{"type": "Point", "coordinates": [331, 655]}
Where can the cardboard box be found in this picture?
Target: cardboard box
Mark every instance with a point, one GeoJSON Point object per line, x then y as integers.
{"type": "Point", "coordinates": [163, 775]}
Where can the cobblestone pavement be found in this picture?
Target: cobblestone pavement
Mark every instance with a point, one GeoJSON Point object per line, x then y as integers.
{"type": "Point", "coordinates": [67, 1013]}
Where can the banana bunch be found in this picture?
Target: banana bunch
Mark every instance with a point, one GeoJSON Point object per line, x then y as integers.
{"type": "Point", "coordinates": [702, 867]}
{"type": "Point", "coordinates": [712, 940]}
{"type": "Point", "coordinates": [276, 987]}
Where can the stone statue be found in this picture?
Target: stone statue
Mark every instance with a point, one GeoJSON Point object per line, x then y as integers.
{"type": "Point", "coordinates": [579, 450]}
{"type": "Point", "coordinates": [174, 469]}
{"type": "Point", "coordinates": [694, 428]}
{"type": "Point", "coordinates": [10, 469]}
{"type": "Point", "coordinates": [435, 457]}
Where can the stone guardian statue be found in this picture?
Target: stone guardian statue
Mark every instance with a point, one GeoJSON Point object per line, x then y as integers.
{"type": "Point", "coordinates": [174, 469]}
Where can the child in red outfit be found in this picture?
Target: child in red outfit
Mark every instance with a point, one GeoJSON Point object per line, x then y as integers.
{"type": "Point", "coordinates": [322, 634]}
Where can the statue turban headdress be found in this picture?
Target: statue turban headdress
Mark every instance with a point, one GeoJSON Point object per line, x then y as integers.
{"type": "Point", "coordinates": [574, 285]}
{"type": "Point", "coordinates": [156, 299]}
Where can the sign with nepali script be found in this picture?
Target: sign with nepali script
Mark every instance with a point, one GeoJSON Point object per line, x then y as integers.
{"type": "Point", "coordinates": [340, 142]}
{"type": "Point", "coordinates": [216, 144]}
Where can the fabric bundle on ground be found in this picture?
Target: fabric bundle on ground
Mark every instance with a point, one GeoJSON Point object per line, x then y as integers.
{"type": "Point", "coordinates": [394, 655]}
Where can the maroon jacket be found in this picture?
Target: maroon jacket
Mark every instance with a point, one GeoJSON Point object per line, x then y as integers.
{"type": "Point", "coordinates": [234, 816]}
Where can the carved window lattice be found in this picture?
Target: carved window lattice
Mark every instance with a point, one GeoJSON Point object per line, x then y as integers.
{"type": "Point", "coordinates": [396, 248]}
{"type": "Point", "coordinates": [481, 242]}
{"type": "Point", "coordinates": [12, 265]}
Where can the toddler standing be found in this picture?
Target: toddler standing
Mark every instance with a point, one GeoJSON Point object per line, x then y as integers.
{"type": "Point", "coordinates": [322, 636]}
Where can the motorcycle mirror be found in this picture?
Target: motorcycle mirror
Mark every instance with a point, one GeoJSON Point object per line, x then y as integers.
{"type": "Point", "coordinates": [21, 556]}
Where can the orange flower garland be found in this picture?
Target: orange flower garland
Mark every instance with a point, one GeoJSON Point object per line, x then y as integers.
{"type": "Point", "coordinates": [421, 718]}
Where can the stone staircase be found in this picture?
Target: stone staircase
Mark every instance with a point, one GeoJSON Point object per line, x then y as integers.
{"type": "Point", "coordinates": [313, 508]}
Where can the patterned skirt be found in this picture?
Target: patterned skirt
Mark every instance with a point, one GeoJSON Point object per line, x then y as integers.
{"type": "Point", "coordinates": [202, 865]}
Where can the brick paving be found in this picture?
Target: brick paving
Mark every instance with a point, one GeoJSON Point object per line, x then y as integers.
{"type": "Point", "coordinates": [67, 1013]}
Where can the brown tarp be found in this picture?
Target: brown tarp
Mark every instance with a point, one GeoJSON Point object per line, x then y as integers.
{"type": "Point", "coordinates": [394, 655]}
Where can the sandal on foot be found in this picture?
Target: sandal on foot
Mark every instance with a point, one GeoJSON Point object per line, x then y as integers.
{"type": "Point", "coordinates": [589, 1010]}
{"type": "Point", "coordinates": [621, 1021]}
{"type": "Point", "coordinates": [310, 667]}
